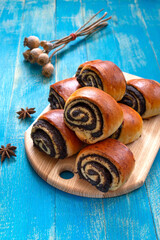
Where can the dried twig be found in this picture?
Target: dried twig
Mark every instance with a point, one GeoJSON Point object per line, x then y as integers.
{"type": "Point", "coordinates": [35, 54]}
{"type": "Point", "coordinates": [100, 23]}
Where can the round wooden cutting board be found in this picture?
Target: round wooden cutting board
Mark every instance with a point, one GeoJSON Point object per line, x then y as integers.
{"type": "Point", "coordinates": [144, 150]}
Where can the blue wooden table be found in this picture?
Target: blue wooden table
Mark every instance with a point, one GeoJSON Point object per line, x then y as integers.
{"type": "Point", "coordinates": [29, 207]}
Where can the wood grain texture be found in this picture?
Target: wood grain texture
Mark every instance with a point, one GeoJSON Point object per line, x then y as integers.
{"type": "Point", "coordinates": [23, 202]}
{"type": "Point", "coordinates": [29, 207]}
{"type": "Point", "coordinates": [68, 207]}
{"type": "Point", "coordinates": [152, 26]}
{"type": "Point", "coordinates": [144, 151]}
{"type": "Point", "coordinates": [11, 19]}
{"type": "Point", "coordinates": [136, 37]}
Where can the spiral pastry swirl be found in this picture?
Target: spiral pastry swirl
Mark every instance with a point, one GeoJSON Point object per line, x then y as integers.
{"type": "Point", "coordinates": [104, 75]}
{"type": "Point", "coordinates": [92, 114]}
{"type": "Point", "coordinates": [90, 78]}
{"type": "Point", "coordinates": [143, 95]}
{"type": "Point", "coordinates": [98, 171]}
{"type": "Point", "coordinates": [106, 165]}
{"type": "Point", "coordinates": [134, 99]}
{"type": "Point", "coordinates": [52, 136]}
{"type": "Point", "coordinates": [85, 115]}
{"type": "Point", "coordinates": [61, 91]}
{"type": "Point", "coordinates": [56, 101]}
{"type": "Point", "coordinates": [48, 139]}
{"type": "Point", "coordinates": [84, 64]}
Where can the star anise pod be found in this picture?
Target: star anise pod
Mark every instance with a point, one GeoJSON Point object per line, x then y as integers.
{"type": "Point", "coordinates": [25, 113]}
{"type": "Point", "coordinates": [7, 151]}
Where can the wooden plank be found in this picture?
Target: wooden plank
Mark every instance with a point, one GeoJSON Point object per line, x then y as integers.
{"type": "Point", "coordinates": [130, 217]}
{"type": "Point", "coordinates": [149, 14]}
{"type": "Point", "coordinates": [76, 218]}
{"type": "Point", "coordinates": [150, 17]}
{"type": "Point", "coordinates": [11, 14]}
{"type": "Point", "coordinates": [10, 19]}
{"type": "Point", "coordinates": [27, 205]}
{"type": "Point", "coordinates": [144, 151]}
{"type": "Point", "coordinates": [127, 45]}
{"type": "Point", "coordinates": [126, 215]}
{"type": "Point", "coordinates": [74, 54]}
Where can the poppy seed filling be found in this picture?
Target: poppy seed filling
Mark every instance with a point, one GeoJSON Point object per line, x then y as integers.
{"type": "Point", "coordinates": [54, 141]}
{"type": "Point", "coordinates": [134, 99]}
{"type": "Point", "coordinates": [99, 170]}
{"type": "Point", "coordinates": [56, 101]}
{"type": "Point", "coordinates": [90, 78]}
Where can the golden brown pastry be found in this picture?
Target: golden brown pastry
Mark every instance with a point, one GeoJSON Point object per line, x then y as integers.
{"type": "Point", "coordinates": [93, 114]}
{"type": "Point", "coordinates": [106, 165]}
{"type": "Point", "coordinates": [52, 136]}
{"type": "Point", "coordinates": [143, 95]}
{"type": "Point", "coordinates": [60, 92]}
{"type": "Point", "coordinates": [104, 75]}
{"type": "Point", "coordinates": [84, 64]}
{"type": "Point", "coordinates": [131, 127]}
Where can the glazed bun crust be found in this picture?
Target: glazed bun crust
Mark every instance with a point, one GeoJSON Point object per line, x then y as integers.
{"type": "Point", "coordinates": [132, 125]}
{"type": "Point", "coordinates": [108, 154]}
{"type": "Point", "coordinates": [150, 90]}
{"type": "Point", "coordinates": [92, 106]}
{"type": "Point", "coordinates": [66, 87]}
{"type": "Point", "coordinates": [84, 64]}
{"type": "Point", "coordinates": [112, 78]}
{"type": "Point", "coordinates": [55, 118]}
{"type": "Point", "coordinates": [89, 62]}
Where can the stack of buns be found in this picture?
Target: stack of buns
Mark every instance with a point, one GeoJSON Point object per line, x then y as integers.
{"type": "Point", "coordinates": [94, 114]}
